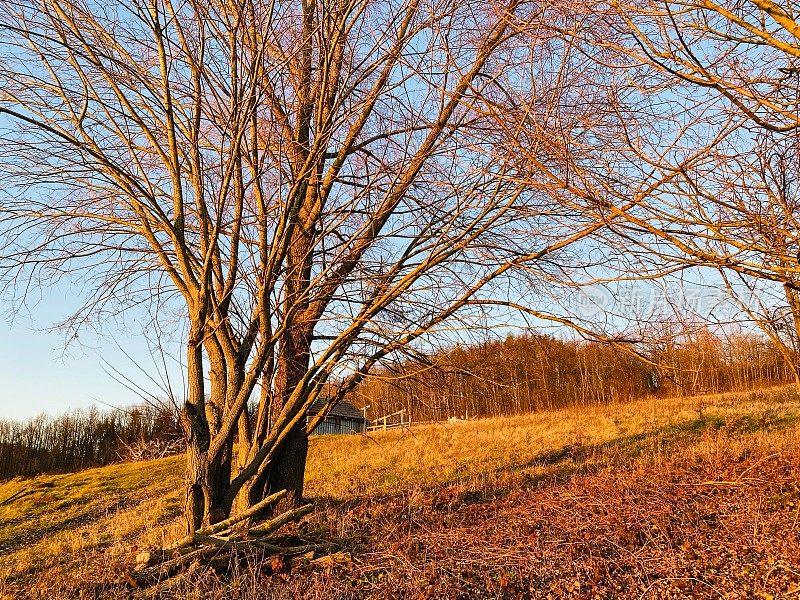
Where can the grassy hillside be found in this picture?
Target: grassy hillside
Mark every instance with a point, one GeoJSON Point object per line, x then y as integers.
{"type": "Point", "coordinates": [661, 499]}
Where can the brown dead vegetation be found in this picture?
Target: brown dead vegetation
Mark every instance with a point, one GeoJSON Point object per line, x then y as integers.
{"type": "Point", "coordinates": [701, 507]}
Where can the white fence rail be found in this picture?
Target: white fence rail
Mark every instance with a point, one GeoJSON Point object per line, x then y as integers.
{"type": "Point", "coordinates": [401, 418]}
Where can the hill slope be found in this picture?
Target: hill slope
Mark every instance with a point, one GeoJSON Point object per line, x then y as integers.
{"type": "Point", "coordinates": [663, 499]}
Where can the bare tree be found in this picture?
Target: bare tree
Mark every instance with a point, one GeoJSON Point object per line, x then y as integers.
{"type": "Point", "coordinates": [734, 206]}
{"type": "Point", "coordinates": [307, 185]}
{"type": "Point", "coordinates": [697, 163]}
{"type": "Point", "coordinates": [745, 51]}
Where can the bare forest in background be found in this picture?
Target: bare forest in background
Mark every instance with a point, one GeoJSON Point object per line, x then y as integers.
{"type": "Point", "coordinates": [86, 438]}
{"type": "Point", "coordinates": [532, 372]}
{"type": "Point", "coordinates": [521, 374]}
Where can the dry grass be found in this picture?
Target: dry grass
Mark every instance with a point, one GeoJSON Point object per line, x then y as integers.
{"type": "Point", "coordinates": [342, 467]}
{"type": "Point", "coordinates": [661, 499]}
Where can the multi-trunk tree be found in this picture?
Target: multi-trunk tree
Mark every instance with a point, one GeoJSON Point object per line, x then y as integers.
{"type": "Point", "coordinates": [310, 186]}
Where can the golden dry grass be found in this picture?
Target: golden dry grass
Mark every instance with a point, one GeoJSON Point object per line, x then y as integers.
{"type": "Point", "coordinates": [344, 467]}
{"type": "Point", "coordinates": [457, 493]}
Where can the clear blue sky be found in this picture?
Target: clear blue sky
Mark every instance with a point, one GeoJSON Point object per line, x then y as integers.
{"type": "Point", "coordinates": [40, 373]}
{"type": "Point", "coordinates": [36, 375]}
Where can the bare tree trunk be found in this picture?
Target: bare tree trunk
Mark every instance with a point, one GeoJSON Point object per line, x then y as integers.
{"type": "Point", "coordinates": [289, 468]}
{"type": "Point", "coordinates": [207, 479]}
{"type": "Point", "coordinates": [197, 432]}
{"type": "Point", "coordinates": [196, 469]}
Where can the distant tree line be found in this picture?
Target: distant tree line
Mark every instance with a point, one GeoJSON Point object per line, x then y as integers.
{"type": "Point", "coordinates": [86, 438]}
{"type": "Point", "coordinates": [532, 372]}
{"type": "Point", "coordinates": [520, 374]}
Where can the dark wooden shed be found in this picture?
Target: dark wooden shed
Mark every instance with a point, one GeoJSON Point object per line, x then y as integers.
{"type": "Point", "coordinates": [342, 418]}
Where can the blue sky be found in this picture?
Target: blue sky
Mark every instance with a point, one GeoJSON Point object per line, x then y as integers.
{"type": "Point", "coordinates": [37, 375]}
{"type": "Point", "coordinates": [40, 373]}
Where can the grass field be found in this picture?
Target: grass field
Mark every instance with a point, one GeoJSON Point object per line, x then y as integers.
{"type": "Point", "coordinates": [680, 498]}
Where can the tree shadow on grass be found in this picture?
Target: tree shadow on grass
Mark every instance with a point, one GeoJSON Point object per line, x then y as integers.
{"type": "Point", "coordinates": [554, 467]}
{"type": "Point", "coordinates": [666, 437]}
{"type": "Point", "coordinates": [562, 464]}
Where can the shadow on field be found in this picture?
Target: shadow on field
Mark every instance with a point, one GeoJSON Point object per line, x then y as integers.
{"type": "Point", "coordinates": [579, 458]}
{"type": "Point", "coordinates": [83, 517]}
{"type": "Point", "coordinates": [546, 469]}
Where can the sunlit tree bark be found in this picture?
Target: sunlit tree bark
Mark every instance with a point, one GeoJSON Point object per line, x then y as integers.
{"type": "Point", "coordinates": [310, 186]}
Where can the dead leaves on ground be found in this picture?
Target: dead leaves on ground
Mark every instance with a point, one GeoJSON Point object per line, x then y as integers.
{"type": "Point", "coordinates": [718, 520]}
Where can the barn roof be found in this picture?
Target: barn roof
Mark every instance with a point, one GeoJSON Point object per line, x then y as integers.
{"type": "Point", "coordinates": [343, 409]}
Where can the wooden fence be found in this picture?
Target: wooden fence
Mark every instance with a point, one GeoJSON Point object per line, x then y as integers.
{"type": "Point", "coordinates": [401, 418]}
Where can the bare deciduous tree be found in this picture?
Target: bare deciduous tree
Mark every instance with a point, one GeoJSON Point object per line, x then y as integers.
{"type": "Point", "coordinates": [309, 182]}
{"type": "Point", "coordinates": [702, 172]}
{"type": "Point", "coordinates": [735, 206]}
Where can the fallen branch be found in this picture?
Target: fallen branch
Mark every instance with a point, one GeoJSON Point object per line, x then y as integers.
{"type": "Point", "coordinates": [228, 523]}
{"type": "Point", "coordinates": [292, 550]}
{"type": "Point", "coordinates": [164, 570]}
{"type": "Point", "coordinates": [212, 540]}
{"type": "Point", "coordinates": [278, 522]}
{"type": "Point", "coordinates": [216, 544]}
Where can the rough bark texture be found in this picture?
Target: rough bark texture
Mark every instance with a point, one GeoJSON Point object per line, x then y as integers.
{"type": "Point", "coordinates": [196, 482]}
{"type": "Point", "coordinates": [288, 472]}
